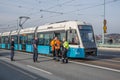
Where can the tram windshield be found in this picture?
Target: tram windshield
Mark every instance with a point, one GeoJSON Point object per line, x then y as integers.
{"type": "Point", "coordinates": [86, 33]}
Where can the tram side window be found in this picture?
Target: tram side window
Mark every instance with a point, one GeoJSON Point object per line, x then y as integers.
{"type": "Point", "coordinates": [29, 39]}
{"type": "Point", "coordinates": [3, 39]}
{"type": "Point", "coordinates": [46, 39]}
{"type": "Point", "coordinates": [15, 39]}
{"type": "Point", "coordinates": [72, 37]}
{"type": "Point", "coordinates": [60, 35]}
{"type": "Point", "coordinates": [0, 39]}
{"type": "Point", "coordinates": [22, 39]}
{"type": "Point", "coordinates": [6, 40]}
{"type": "Point", "coordinates": [51, 36]}
{"type": "Point", "coordinates": [41, 39]}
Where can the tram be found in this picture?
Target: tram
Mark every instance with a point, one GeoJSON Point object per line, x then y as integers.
{"type": "Point", "coordinates": [80, 36]}
{"type": "Point", "coordinates": [5, 40]}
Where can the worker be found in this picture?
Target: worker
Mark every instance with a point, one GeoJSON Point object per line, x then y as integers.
{"type": "Point", "coordinates": [65, 47]}
{"type": "Point", "coordinates": [52, 44]}
{"type": "Point", "coordinates": [35, 49]}
{"type": "Point", "coordinates": [57, 48]}
{"type": "Point", "coordinates": [12, 50]}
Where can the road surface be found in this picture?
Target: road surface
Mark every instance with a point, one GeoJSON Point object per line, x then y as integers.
{"type": "Point", "coordinates": [104, 67]}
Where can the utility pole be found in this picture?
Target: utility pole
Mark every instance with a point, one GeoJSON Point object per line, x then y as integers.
{"type": "Point", "coordinates": [104, 25]}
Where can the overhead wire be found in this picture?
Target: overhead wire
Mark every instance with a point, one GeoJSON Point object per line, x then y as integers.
{"type": "Point", "coordinates": [93, 6]}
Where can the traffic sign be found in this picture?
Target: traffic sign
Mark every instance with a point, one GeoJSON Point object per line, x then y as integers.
{"type": "Point", "coordinates": [105, 28]}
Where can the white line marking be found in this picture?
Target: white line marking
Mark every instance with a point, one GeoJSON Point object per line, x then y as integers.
{"type": "Point", "coordinates": [39, 69]}
{"type": "Point", "coordinates": [100, 67]}
{"type": "Point", "coordinates": [90, 65]}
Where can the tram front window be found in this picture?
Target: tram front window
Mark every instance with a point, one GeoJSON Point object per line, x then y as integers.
{"type": "Point", "coordinates": [86, 33]}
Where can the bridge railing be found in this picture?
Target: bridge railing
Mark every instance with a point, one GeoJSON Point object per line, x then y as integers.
{"type": "Point", "coordinates": [108, 45]}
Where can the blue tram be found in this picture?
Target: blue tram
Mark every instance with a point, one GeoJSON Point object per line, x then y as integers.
{"type": "Point", "coordinates": [0, 39]}
{"type": "Point", "coordinates": [5, 41]}
{"type": "Point", "coordinates": [14, 34]}
{"type": "Point", "coordinates": [26, 37]}
{"type": "Point", "coordinates": [80, 36]}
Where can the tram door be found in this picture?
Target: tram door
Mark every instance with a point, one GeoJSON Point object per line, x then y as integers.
{"type": "Point", "coordinates": [60, 35]}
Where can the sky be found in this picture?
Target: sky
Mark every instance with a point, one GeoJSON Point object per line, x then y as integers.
{"type": "Point", "coordinates": [42, 12]}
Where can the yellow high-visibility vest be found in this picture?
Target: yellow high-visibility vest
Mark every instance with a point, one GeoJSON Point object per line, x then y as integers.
{"type": "Point", "coordinates": [66, 45]}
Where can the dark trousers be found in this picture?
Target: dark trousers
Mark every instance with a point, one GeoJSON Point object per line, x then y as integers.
{"type": "Point", "coordinates": [53, 52]}
{"type": "Point", "coordinates": [64, 55]}
{"type": "Point", "coordinates": [57, 53]}
{"type": "Point", "coordinates": [12, 54]}
{"type": "Point", "coordinates": [35, 55]}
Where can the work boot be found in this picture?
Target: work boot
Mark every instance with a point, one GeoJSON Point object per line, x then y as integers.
{"type": "Point", "coordinates": [66, 60]}
{"type": "Point", "coordinates": [62, 60]}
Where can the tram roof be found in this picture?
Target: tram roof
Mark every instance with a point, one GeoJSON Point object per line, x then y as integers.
{"type": "Point", "coordinates": [61, 25]}
{"type": "Point", "coordinates": [6, 33]}
{"type": "Point", "coordinates": [14, 32]}
{"type": "Point", "coordinates": [27, 30]}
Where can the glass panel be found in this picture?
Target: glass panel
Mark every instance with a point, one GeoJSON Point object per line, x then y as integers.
{"type": "Point", "coordinates": [15, 39]}
{"type": "Point", "coordinates": [5, 39]}
{"type": "Point", "coordinates": [72, 37]}
{"type": "Point", "coordinates": [60, 35]}
{"type": "Point", "coordinates": [46, 39]}
{"type": "Point", "coordinates": [2, 40]}
{"type": "Point", "coordinates": [51, 36]}
{"type": "Point", "coordinates": [29, 39]}
{"type": "Point", "coordinates": [40, 39]}
{"type": "Point", "coordinates": [86, 33]}
{"type": "Point", "coordinates": [23, 39]}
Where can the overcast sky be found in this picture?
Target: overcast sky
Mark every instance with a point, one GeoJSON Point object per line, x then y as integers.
{"type": "Point", "coordinates": [50, 11]}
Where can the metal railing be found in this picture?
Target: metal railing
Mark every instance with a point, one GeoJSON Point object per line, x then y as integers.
{"type": "Point", "coordinates": [109, 45]}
